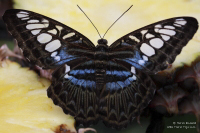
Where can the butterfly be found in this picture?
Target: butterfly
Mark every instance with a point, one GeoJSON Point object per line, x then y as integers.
{"type": "Point", "coordinates": [92, 83]}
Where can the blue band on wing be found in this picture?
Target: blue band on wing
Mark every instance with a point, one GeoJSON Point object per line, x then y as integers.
{"type": "Point", "coordinates": [118, 73]}
{"type": "Point", "coordinates": [60, 57]}
{"type": "Point", "coordinates": [138, 61]}
{"type": "Point", "coordinates": [119, 79]}
{"type": "Point", "coordinates": [82, 72]}
{"type": "Point", "coordinates": [65, 60]}
{"type": "Point", "coordinates": [82, 82]}
{"type": "Point", "coordinates": [119, 84]}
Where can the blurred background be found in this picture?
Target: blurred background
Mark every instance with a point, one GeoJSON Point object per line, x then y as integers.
{"type": "Point", "coordinates": [103, 13]}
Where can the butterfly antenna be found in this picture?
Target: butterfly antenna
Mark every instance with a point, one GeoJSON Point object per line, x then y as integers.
{"type": "Point", "coordinates": [90, 21]}
{"type": "Point", "coordinates": [117, 20]}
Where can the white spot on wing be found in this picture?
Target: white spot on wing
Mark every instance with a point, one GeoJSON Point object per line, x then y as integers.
{"type": "Point", "coordinates": [141, 62]}
{"type": "Point", "coordinates": [23, 12]}
{"type": "Point", "coordinates": [33, 21]}
{"type": "Point", "coordinates": [157, 27]}
{"type": "Point", "coordinates": [133, 70]}
{"type": "Point", "coordinates": [156, 43]}
{"type": "Point", "coordinates": [144, 31]}
{"type": "Point", "coordinates": [169, 27]}
{"type": "Point", "coordinates": [145, 58]}
{"type": "Point", "coordinates": [46, 22]}
{"type": "Point", "coordinates": [68, 35]}
{"type": "Point", "coordinates": [66, 76]}
{"type": "Point", "coordinates": [177, 25]}
{"type": "Point", "coordinates": [67, 69]}
{"type": "Point", "coordinates": [165, 37]}
{"type": "Point", "coordinates": [35, 32]}
{"type": "Point", "coordinates": [34, 26]}
{"type": "Point", "coordinates": [156, 30]}
{"type": "Point", "coordinates": [54, 31]}
{"type": "Point", "coordinates": [134, 38]}
{"type": "Point", "coordinates": [147, 50]}
{"type": "Point", "coordinates": [57, 58]}
{"type": "Point", "coordinates": [181, 22]}
{"type": "Point", "coordinates": [148, 35]}
{"type": "Point", "coordinates": [179, 19]}
{"type": "Point", "coordinates": [25, 18]}
{"type": "Point", "coordinates": [52, 46]}
{"type": "Point", "coordinates": [21, 15]}
{"type": "Point", "coordinates": [59, 27]}
{"type": "Point", "coordinates": [168, 32]}
{"type": "Point", "coordinates": [134, 77]}
{"type": "Point", "coordinates": [54, 54]}
{"type": "Point", "coordinates": [44, 38]}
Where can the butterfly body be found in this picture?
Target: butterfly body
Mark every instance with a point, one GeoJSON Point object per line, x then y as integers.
{"type": "Point", "coordinates": [108, 83]}
{"type": "Point", "coordinates": [101, 57]}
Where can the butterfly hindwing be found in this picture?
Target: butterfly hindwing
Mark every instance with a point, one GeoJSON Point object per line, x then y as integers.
{"type": "Point", "coordinates": [126, 93]}
{"type": "Point", "coordinates": [44, 41]}
{"type": "Point", "coordinates": [74, 89]}
{"type": "Point", "coordinates": [153, 47]}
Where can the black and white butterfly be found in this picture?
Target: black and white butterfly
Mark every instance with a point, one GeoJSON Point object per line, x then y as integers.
{"type": "Point", "coordinates": [108, 83]}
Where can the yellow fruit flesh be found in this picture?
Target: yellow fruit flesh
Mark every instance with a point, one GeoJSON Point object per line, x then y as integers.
{"type": "Point", "coordinates": [24, 105]}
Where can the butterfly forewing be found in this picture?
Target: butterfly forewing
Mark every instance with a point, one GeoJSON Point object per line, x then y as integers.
{"type": "Point", "coordinates": [100, 83]}
{"type": "Point", "coordinates": [44, 41]}
{"type": "Point", "coordinates": [153, 47]}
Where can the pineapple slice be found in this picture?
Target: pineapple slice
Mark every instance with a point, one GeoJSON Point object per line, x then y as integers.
{"type": "Point", "coordinates": [24, 105]}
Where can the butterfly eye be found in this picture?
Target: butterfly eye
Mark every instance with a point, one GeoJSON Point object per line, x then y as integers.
{"type": "Point", "coordinates": [102, 41]}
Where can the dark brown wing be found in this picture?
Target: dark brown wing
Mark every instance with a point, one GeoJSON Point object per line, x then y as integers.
{"type": "Point", "coordinates": [74, 90]}
{"type": "Point", "coordinates": [153, 47]}
{"type": "Point", "coordinates": [44, 41]}
{"type": "Point", "coordinates": [126, 93]}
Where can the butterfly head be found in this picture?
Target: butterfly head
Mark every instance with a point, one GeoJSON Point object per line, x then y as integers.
{"type": "Point", "coordinates": [102, 41]}
{"type": "Point", "coordinates": [102, 45]}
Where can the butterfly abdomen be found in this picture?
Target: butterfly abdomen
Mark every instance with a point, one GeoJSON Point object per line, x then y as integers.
{"type": "Point", "coordinates": [100, 57]}
{"type": "Point", "coordinates": [100, 71]}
